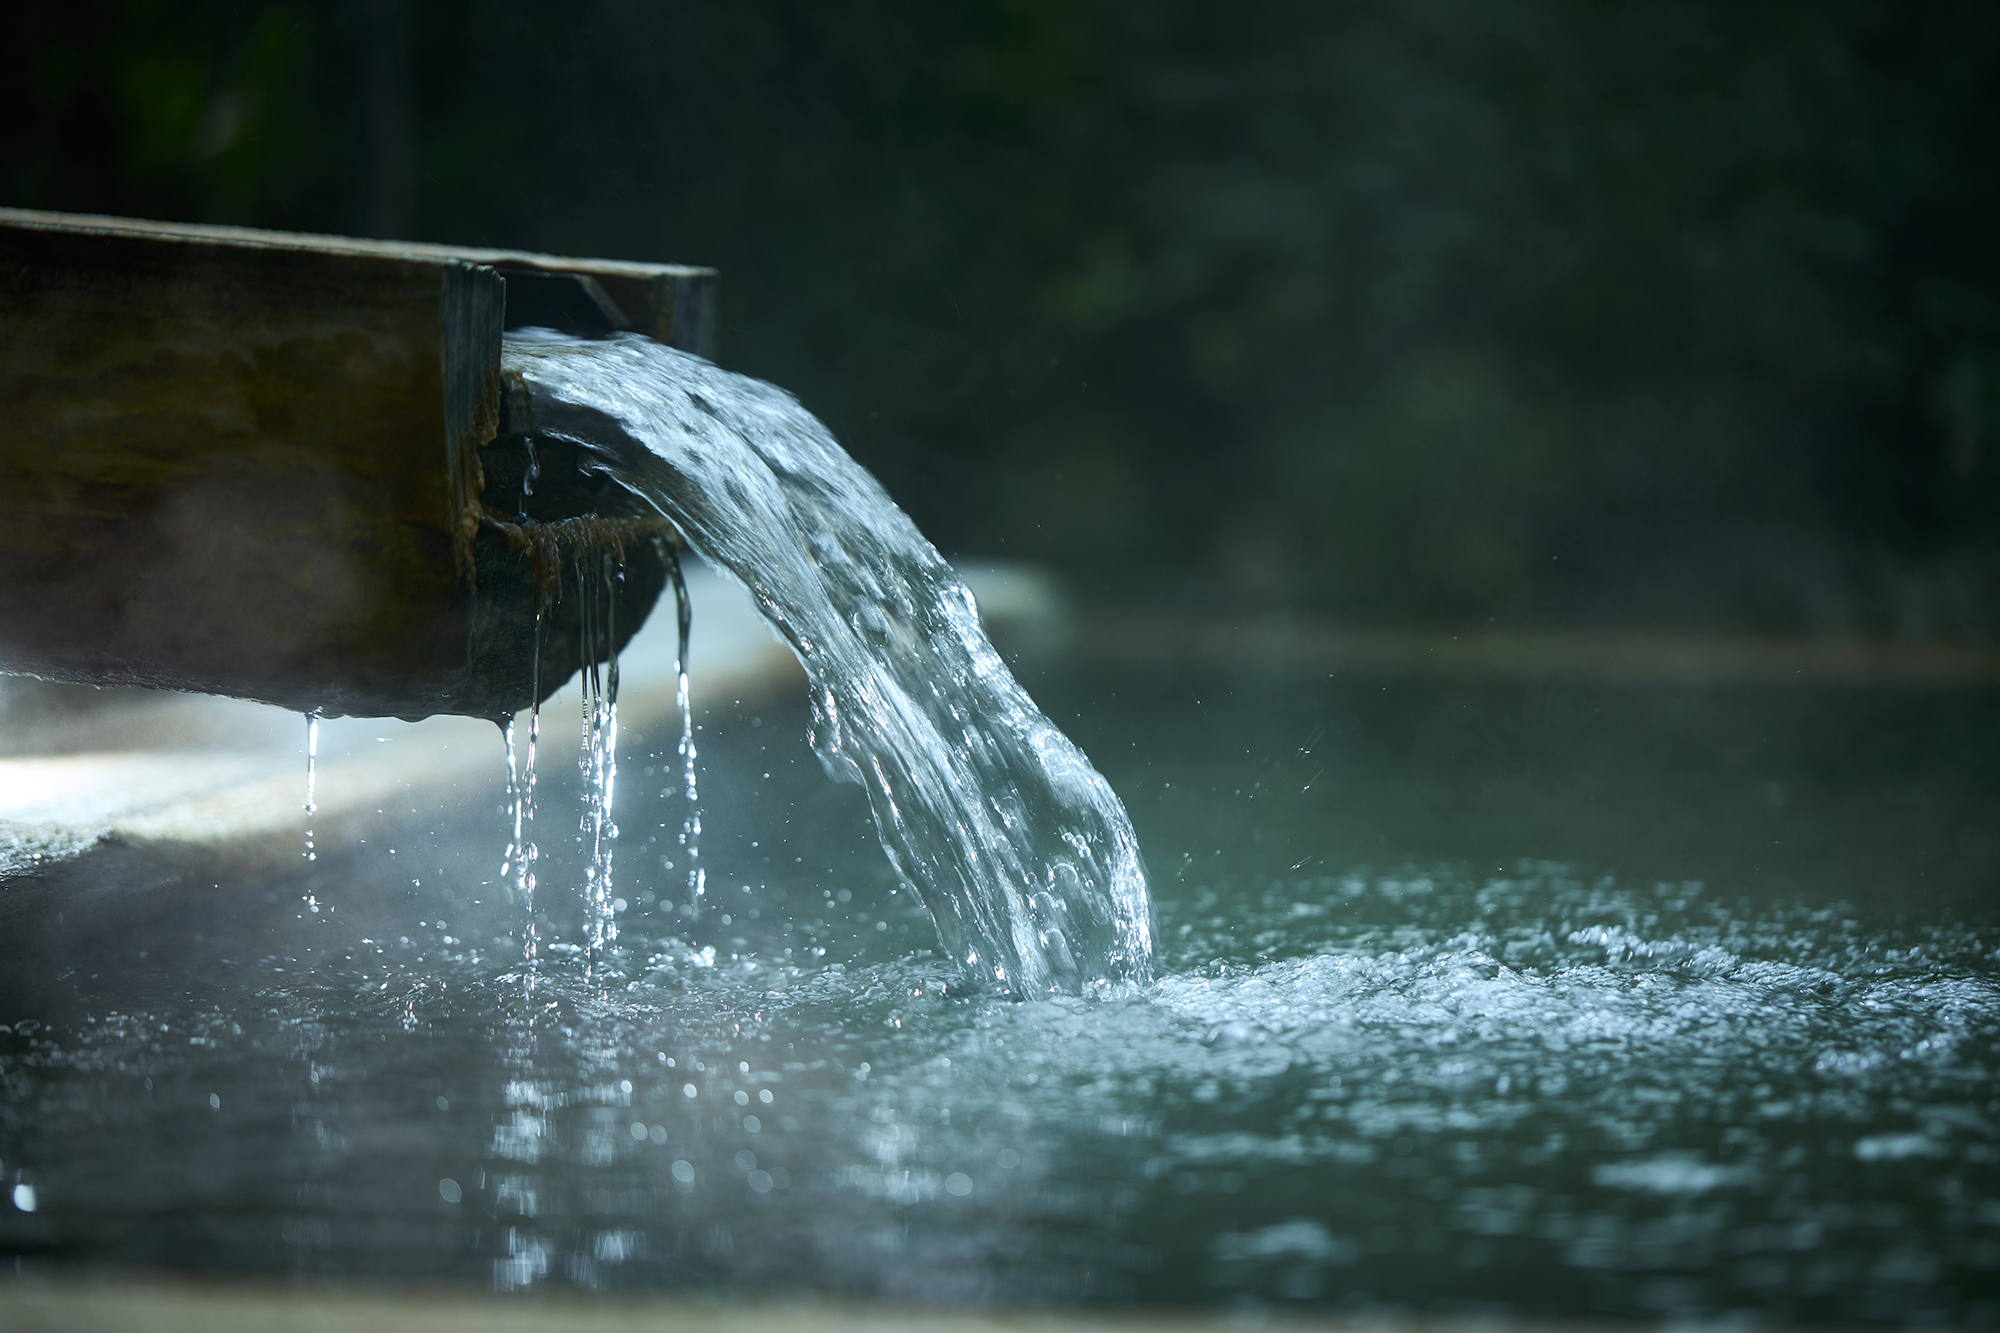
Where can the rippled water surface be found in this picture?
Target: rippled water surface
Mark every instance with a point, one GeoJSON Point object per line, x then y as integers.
{"type": "Point", "coordinates": [1573, 1000]}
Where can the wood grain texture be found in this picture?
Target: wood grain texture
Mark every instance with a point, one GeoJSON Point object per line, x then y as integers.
{"type": "Point", "coordinates": [252, 464]}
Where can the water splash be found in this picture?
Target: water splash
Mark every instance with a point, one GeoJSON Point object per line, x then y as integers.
{"type": "Point", "coordinates": [1017, 846]}
{"type": "Point", "coordinates": [1529, 1094]}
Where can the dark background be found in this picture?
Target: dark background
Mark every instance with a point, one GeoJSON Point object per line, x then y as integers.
{"type": "Point", "coordinates": [1522, 310]}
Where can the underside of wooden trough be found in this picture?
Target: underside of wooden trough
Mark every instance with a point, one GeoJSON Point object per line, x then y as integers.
{"type": "Point", "coordinates": [271, 465]}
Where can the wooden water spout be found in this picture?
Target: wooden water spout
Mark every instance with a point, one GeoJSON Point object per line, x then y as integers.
{"type": "Point", "coordinates": [264, 464]}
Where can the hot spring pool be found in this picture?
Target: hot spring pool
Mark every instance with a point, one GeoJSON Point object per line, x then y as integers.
{"type": "Point", "coordinates": [1477, 998]}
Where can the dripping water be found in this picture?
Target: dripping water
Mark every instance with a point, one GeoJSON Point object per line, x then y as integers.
{"type": "Point", "coordinates": [690, 837]}
{"type": "Point", "coordinates": [516, 867]}
{"type": "Point", "coordinates": [312, 808]}
{"type": "Point", "coordinates": [1018, 847]}
{"type": "Point", "coordinates": [597, 575]}
{"type": "Point", "coordinates": [523, 853]}
{"type": "Point", "coordinates": [513, 809]}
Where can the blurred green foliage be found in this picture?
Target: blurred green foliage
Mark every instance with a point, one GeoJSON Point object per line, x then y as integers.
{"type": "Point", "coordinates": [1443, 309]}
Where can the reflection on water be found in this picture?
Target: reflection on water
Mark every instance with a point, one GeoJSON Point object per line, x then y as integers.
{"type": "Point", "coordinates": [1449, 1086]}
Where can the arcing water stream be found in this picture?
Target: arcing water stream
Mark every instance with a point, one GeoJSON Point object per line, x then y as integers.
{"type": "Point", "coordinates": [1012, 840]}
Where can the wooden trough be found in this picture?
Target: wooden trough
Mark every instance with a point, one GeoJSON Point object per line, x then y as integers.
{"type": "Point", "coordinates": [264, 464]}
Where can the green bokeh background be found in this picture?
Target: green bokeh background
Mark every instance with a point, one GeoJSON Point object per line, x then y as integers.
{"type": "Point", "coordinates": [1529, 311]}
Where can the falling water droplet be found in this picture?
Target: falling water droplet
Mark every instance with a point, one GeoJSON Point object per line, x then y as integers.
{"type": "Point", "coordinates": [523, 853]}
{"type": "Point", "coordinates": [597, 596]}
{"type": "Point", "coordinates": [697, 877]}
{"type": "Point", "coordinates": [513, 801]}
{"type": "Point", "coordinates": [312, 807]}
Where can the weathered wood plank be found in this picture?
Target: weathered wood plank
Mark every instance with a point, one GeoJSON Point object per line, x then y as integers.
{"type": "Point", "coordinates": [250, 463]}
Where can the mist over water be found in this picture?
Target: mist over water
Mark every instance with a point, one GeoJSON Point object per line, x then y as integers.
{"type": "Point", "coordinates": [1017, 846]}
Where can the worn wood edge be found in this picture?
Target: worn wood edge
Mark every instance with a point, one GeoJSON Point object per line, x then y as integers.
{"type": "Point", "coordinates": [552, 545]}
{"type": "Point", "coordinates": [326, 242]}
{"type": "Point", "coordinates": [689, 305]}
{"type": "Point", "coordinates": [474, 310]}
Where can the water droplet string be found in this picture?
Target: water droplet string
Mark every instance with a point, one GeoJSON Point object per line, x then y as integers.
{"type": "Point", "coordinates": [597, 578]}
{"type": "Point", "coordinates": [690, 839]}
{"type": "Point", "coordinates": [312, 808]}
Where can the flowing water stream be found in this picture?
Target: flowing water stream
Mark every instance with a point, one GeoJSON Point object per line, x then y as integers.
{"type": "Point", "coordinates": [1014, 842]}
